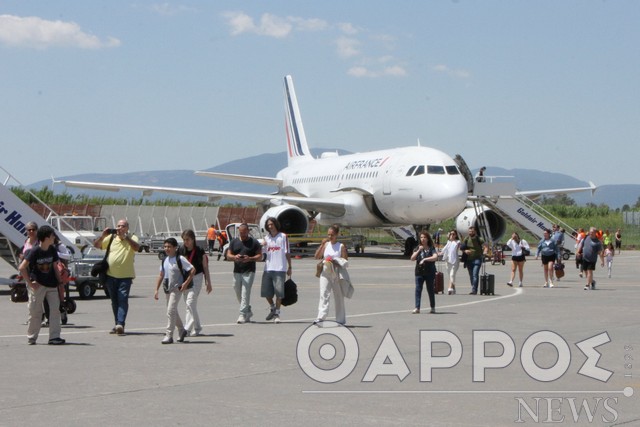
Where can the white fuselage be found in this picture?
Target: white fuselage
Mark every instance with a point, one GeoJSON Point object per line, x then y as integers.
{"type": "Point", "coordinates": [410, 185]}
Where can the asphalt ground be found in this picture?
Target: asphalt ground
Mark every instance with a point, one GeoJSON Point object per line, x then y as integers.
{"type": "Point", "coordinates": [375, 372]}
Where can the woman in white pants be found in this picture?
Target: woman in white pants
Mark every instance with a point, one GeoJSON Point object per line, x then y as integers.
{"type": "Point", "coordinates": [329, 250]}
{"type": "Point", "coordinates": [198, 258]}
{"type": "Point", "coordinates": [452, 260]}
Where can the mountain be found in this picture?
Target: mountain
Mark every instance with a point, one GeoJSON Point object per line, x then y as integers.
{"type": "Point", "coordinates": [614, 196]}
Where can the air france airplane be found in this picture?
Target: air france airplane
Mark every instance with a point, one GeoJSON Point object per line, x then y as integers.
{"type": "Point", "coordinates": [398, 186]}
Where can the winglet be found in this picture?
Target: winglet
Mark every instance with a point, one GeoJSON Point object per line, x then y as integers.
{"type": "Point", "coordinates": [297, 147]}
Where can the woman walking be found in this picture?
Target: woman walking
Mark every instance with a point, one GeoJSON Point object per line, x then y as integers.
{"type": "Point", "coordinates": [425, 257]}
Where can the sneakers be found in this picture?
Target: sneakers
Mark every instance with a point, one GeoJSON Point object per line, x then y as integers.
{"type": "Point", "coordinates": [317, 321]}
{"type": "Point", "coordinates": [31, 341]}
{"type": "Point", "coordinates": [182, 335]}
{"type": "Point", "coordinates": [119, 330]}
{"type": "Point", "coordinates": [248, 316]}
{"type": "Point", "coordinates": [167, 340]}
{"type": "Point", "coordinates": [586, 288]}
{"type": "Point", "coordinates": [276, 318]}
{"type": "Point", "coordinates": [416, 311]}
{"type": "Point", "coordinates": [271, 315]}
{"type": "Point", "coordinates": [241, 319]}
{"type": "Point", "coordinates": [56, 341]}
{"type": "Point", "coordinates": [546, 285]}
{"type": "Point", "coordinates": [450, 291]}
{"type": "Point", "coordinates": [433, 310]}
{"type": "Point", "coordinates": [593, 285]}
{"type": "Point", "coordinates": [550, 284]}
{"type": "Point", "coordinates": [519, 284]}
{"type": "Point", "coordinates": [509, 284]}
{"type": "Point", "coordinates": [196, 334]}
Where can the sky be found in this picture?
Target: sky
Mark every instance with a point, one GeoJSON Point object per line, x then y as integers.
{"type": "Point", "coordinates": [125, 86]}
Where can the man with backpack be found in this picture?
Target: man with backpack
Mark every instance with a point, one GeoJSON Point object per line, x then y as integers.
{"type": "Point", "coordinates": [474, 249]}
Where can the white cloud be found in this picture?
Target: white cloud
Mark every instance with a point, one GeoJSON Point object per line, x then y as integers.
{"type": "Point", "coordinates": [459, 73]}
{"type": "Point", "coordinates": [34, 32]}
{"type": "Point", "coordinates": [347, 47]}
{"type": "Point", "coordinates": [347, 28]}
{"type": "Point", "coordinates": [271, 25]}
{"type": "Point", "coordinates": [168, 9]}
{"type": "Point", "coordinates": [393, 71]}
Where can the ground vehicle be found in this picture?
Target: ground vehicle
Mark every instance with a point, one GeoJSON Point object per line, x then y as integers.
{"type": "Point", "coordinates": [80, 269]}
{"type": "Point", "coordinates": [232, 233]}
{"type": "Point", "coordinates": [79, 229]}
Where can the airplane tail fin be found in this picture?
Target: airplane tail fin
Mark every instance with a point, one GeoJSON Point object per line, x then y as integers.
{"type": "Point", "coordinates": [297, 147]}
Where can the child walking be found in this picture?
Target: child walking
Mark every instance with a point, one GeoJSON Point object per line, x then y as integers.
{"type": "Point", "coordinates": [609, 252]}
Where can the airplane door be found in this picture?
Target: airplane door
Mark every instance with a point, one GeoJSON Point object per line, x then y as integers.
{"type": "Point", "coordinates": [388, 174]}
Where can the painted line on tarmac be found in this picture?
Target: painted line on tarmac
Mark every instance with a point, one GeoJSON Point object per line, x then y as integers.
{"type": "Point", "coordinates": [517, 292]}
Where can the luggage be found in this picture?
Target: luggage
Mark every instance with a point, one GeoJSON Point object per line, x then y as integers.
{"type": "Point", "coordinates": [439, 283]}
{"type": "Point", "coordinates": [487, 284]}
{"type": "Point", "coordinates": [559, 269]}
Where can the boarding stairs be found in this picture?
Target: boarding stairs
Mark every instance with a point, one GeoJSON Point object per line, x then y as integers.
{"type": "Point", "coordinates": [14, 215]}
{"type": "Point", "coordinates": [521, 210]}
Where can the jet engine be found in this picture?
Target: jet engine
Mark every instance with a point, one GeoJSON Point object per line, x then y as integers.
{"type": "Point", "coordinates": [292, 219]}
{"type": "Point", "coordinates": [497, 225]}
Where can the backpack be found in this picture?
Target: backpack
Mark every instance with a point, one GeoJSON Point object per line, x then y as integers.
{"type": "Point", "coordinates": [185, 274]}
{"type": "Point", "coordinates": [290, 293]}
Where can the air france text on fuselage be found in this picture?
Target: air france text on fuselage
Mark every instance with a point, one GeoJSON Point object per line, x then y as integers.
{"type": "Point", "coordinates": [363, 164]}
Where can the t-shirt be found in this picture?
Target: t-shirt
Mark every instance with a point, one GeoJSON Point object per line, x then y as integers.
{"type": "Point", "coordinates": [121, 257]}
{"type": "Point", "coordinates": [277, 248]}
{"type": "Point", "coordinates": [427, 268]}
{"type": "Point", "coordinates": [590, 249]}
{"type": "Point", "coordinates": [475, 246]}
{"type": "Point", "coordinates": [195, 259]}
{"type": "Point", "coordinates": [249, 247]}
{"type": "Point", "coordinates": [42, 265]}
{"type": "Point", "coordinates": [172, 272]}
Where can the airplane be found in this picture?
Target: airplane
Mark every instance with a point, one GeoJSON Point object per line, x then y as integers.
{"type": "Point", "coordinates": [410, 185]}
{"type": "Point", "coordinates": [396, 187]}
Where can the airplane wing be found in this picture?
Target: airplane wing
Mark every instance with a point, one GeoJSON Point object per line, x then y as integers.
{"type": "Point", "coordinates": [331, 207]}
{"type": "Point", "coordinates": [534, 194]}
{"type": "Point", "coordinates": [244, 178]}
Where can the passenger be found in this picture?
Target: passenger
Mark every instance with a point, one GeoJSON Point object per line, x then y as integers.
{"type": "Point", "coordinates": [606, 238]}
{"type": "Point", "coordinates": [334, 265]}
{"type": "Point", "coordinates": [480, 175]}
{"type": "Point", "coordinates": [198, 258]}
{"type": "Point", "coordinates": [211, 238]}
{"type": "Point", "coordinates": [558, 238]}
{"type": "Point", "coordinates": [618, 237]}
{"type": "Point", "coordinates": [244, 251]}
{"type": "Point", "coordinates": [425, 257]}
{"type": "Point", "coordinates": [32, 238]}
{"type": "Point", "coordinates": [121, 273]}
{"type": "Point", "coordinates": [175, 284]}
{"type": "Point", "coordinates": [579, 237]}
{"type": "Point", "coordinates": [609, 252]}
{"type": "Point", "coordinates": [42, 278]}
{"type": "Point", "coordinates": [451, 259]}
{"type": "Point", "coordinates": [474, 249]}
{"type": "Point", "coordinates": [277, 267]}
{"type": "Point", "coordinates": [590, 248]}
{"type": "Point", "coordinates": [518, 258]}
{"type": "Point", "coordinates": [64, 255]}
{"type": "Point", "coordinates": [547, 249]}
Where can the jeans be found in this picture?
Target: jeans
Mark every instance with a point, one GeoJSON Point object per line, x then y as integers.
{"type": "Point", "coordinates": [473, 266]}
{"type": "Point", "coordinates": [429, 281]}
{"type": "Point", "coordinates": [119, 293]}
{"type": "Point", "coordinates": [242, 286]}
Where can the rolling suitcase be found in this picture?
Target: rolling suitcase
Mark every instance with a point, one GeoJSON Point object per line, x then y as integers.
{"type": "Point", "coordinates": [439, 282]}
{"type": "Point", "coordinates": [487, 284]}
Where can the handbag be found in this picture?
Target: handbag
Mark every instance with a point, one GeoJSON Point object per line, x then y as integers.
{"type": "Point", "coordinates": [99, 269]}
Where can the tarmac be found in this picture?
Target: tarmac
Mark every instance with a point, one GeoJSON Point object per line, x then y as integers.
{"type": "Point", "coordinates": [521, 356]}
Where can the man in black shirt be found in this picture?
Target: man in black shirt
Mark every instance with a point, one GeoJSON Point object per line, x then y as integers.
{"type": "Point", "coordinates": [244, 252]}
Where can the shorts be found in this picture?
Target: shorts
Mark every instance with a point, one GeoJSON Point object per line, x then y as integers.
{"type": "Point", "coordinates": [518, 258]}
{"type": "Point", "coordinates": [586, 265]}
{"type": "Point", "coordinates": [546, 259]}
{"type": "Point", "coordinates": [618, 244]}
{"type": "Point", "coordinates": [272, 284]}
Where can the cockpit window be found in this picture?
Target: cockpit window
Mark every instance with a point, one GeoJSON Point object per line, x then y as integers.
{"type": "Point", "coordinates": [435, 170]}
{"type": "Point", "coordinates": [410, 171]}
{"type": "Point", "coordinates": [452, 170]}
{"type": "Point", "coordinates": [419, 170]}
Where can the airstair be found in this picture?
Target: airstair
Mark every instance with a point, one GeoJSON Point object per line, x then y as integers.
{"type": "Point", "coordinates": [14, 216]}
{"type": "Point", "coordinates": [502, 197]}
